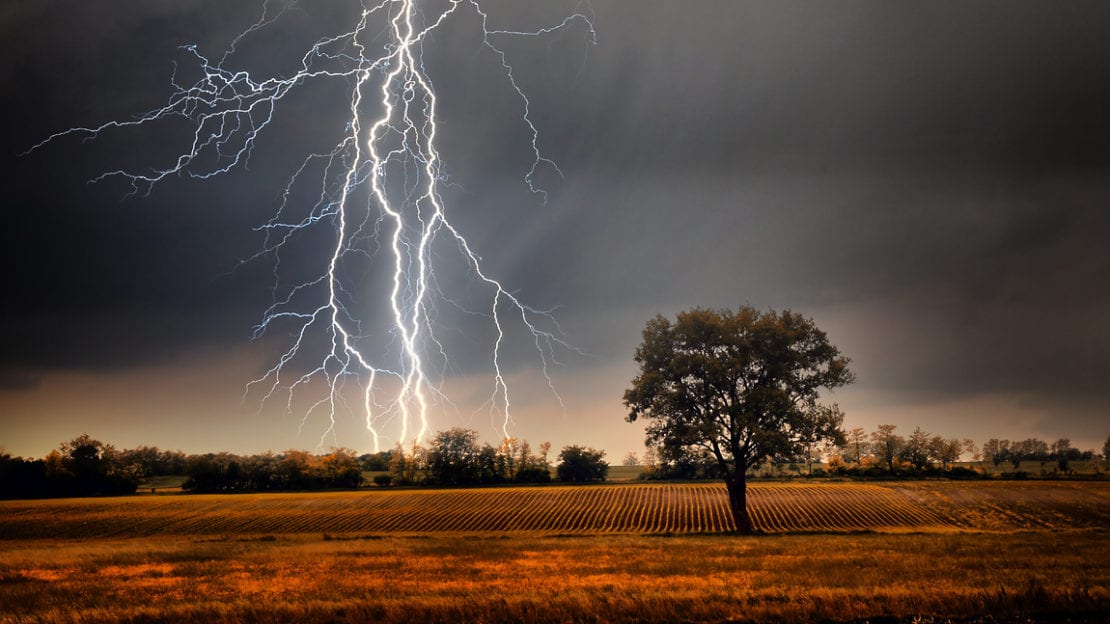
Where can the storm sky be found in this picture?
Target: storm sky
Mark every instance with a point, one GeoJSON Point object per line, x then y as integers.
{"type": "Point", "coordinates": [930, 182]}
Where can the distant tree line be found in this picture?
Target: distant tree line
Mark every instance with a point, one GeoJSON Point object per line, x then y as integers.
{"type": "Point", "coordinates": [1060, 452]}
{"type": "Point", "coordinates": [884, 452]}
{"type": "Point", "coordinates": [291, 470]}
{"type": "Point", "coordinates": [455, 457]}
{"type": "Point", "coordinates": [921, 452]}
{"type": "Point", "coordinates": [87, 467]}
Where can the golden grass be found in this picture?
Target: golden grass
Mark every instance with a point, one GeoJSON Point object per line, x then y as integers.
{"type": "Point", "coordinates": [618, 553]}
{"type": "Point", "coordinates": [786, 578]}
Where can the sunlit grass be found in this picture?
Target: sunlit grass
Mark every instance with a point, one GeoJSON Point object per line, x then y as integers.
{"type": "Point", "coordinates": [563, 554]}
{"type": "Point", "coordinates": [606, 578]}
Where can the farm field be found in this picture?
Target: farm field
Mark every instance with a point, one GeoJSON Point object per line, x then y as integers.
{"type": "Point", "coordinates": [926, 577]}
{"type": "Point", "coordinates": [830, 552]}
{"type": "Point", "coordinates": [777, 507]}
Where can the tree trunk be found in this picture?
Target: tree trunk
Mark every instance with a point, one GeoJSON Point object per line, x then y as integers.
{"type": "Point", "coordinates": [738, 503]}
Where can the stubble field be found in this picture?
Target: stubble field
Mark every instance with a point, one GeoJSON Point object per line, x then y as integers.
{"type": "Point", "coordinates": [620, 553]}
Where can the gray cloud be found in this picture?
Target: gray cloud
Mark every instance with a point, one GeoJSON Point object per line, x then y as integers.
{"type": "Point", "coordinates": [929, 179]}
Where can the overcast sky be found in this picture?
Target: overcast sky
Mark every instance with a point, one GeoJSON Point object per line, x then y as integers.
{"type": "Point", "coordinates": [929, 182]}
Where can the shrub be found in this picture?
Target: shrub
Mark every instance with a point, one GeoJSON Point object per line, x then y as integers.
{"type": "Point", "coordinates": [961, 472]}
{"type": "Point", "coordinates": [533, 474]}
{"type": "Point", "coordinates": [582, 464]}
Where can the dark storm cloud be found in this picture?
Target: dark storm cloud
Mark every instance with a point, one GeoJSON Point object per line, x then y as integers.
{"type": "Point", "coordinates": [812, 85]}
{"type": "Point", "coordinates": [931, 177]}
{"type": "Point", "coordinates": [99, 278]}
{"type": "Point", "coordinates": [946, 165]}
{"type": "Point", "coordinates": [952, 291]}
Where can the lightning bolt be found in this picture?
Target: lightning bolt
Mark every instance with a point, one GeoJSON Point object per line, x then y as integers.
{"type": "Point", "coordinates": [379, 194]}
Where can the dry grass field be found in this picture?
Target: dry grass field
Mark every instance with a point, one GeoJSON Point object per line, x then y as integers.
{"type": "Point", "coordinates": [624, 553]}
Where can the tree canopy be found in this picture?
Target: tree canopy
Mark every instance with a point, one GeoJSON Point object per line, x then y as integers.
{"type": "Point", "coordinates": [742, 386]}
{"type": "Point", "coordinates": [581, 464]}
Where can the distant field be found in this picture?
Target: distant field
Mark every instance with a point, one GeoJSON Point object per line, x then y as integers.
{"type": "Point", "coordinates": [576, 510]}
{"type": "Point", "coordinates": [624, 473]}
{"type": "Point", "coordinates": [172, 482]}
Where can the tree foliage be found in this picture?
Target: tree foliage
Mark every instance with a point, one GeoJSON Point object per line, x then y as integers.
{"type": "Point", "coordinates": [996, 451]}
{"type": "Point", "coordinates": [292, 470]}
{"type": "Point", "coordinates": [1029, 449]}
{"type": "Point", "coordinates": [915, 450]}
{"type": "Point", "coordinates": [741, 386]}
{"type": "Point", "coordinates": [455, 457]}
{"type": "Point", "coordinates": [855, 446]}
{"type": "Point", "coordinates": [83, 466]}
{"type": "Point", "coordinates": [947, 451]}
{"type": "Point", "coordinates": [580, 464]}
{"type": "Point", "coordinates": [887, 445]}
{"type": "Point", "coordinates": [1064, 453]}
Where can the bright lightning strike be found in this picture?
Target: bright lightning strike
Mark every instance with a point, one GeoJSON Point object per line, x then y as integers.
{"type": "Point", "coordinates": [378, 196]}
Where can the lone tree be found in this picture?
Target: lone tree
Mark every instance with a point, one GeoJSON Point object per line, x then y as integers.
{"type": "Point", "coordinates": [742, 386]}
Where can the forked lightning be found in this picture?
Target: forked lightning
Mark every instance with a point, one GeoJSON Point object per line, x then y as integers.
{"type": "Point", "coordinates": [379, 195]}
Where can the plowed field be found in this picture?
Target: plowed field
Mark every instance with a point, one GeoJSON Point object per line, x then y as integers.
{"type": "Point", "coordinates": [575, 510]}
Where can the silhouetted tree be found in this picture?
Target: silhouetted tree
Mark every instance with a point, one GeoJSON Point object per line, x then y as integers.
{"type": "Point", "coordinates": [533, 473]}
{"type": "Point", "coordinates": [407, 467]}
{"type": "Point", "coordinates": [855, 446]}
{"type": "Point", "coordinates": [23, 478]}
{"type": "Point", "coordinates": [95, 469]}
{"type": "Point", "coordinates": [508, 458]}
{"type": "Point", "coordinates": [203, 474]}
{"type": "Point", "coordinates": [971, 449]}
{"type": "Point", "coordinates": [455, 457]}
{"type": "Point", "coordinates": [375, 462]}
{"type": "Point", "coordinates": [887, 445]}
{"type": "Point", "coordinates": [915, 451]}
{"type": "Point", "coordinates": [581, 464]}
{"type": "Point", "coordinates": [996, 451]}
{"type": "Point", "coordinates": [530, 468]}
{"type": "Point", "coordinates": [945, 450]}
{"type": "Point", "coordinates": [686, 465]}
{"type": "Point", "coordinates": [1030, 449]}
{"type": "Point", "coordinates": [1064, 453]}
{"type": "Point", "coordinates": [150, 461]}
{"type": "Point", "coordinates": [812, 437]}
{"type": "Point", "coordinates": [741, 386]}
{"type": "Point", "coordinates": [263, 472]}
